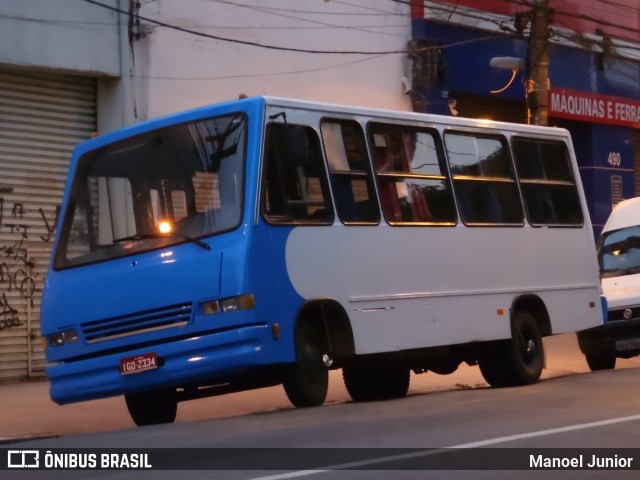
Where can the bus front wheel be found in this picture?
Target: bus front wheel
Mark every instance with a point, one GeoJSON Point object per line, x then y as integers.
{"type": "Point", "coordinates": [153, 407]}
{"type": "Point", "coordinates": [518, 360]}
{"type": "Point", "coordinates": [307, 380]}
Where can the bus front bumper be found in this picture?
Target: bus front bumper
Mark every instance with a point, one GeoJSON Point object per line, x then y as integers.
{"type": "Point", "coordinates": [181, 363]}
{"type": "Point", "coordinates": [620, 338]}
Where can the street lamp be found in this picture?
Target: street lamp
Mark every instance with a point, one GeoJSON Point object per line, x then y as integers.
{"type": "Point", "coordinates": [507, 63]}
{"type": "Point", "coordinates": [514, 64]}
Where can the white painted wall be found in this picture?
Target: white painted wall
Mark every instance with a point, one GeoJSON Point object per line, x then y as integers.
{"type": "Point", "coordinates": [61, 35]}
{"type": "Point", "coordinates": [169, 70]}
{"type": "Point", "coordinates": [177, 70]}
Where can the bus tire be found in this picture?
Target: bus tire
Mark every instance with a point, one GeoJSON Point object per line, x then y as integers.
{"type": "Point", "coordinates": [370, 383]}
{"type": "Point", "coordinates": [600, 361]}
{"type": "Point", "coordinates": [307, 380]}
{"type": "Point", "coordinates": [152, 407]}
{"type": "Point", "coordinates": [519, 360]}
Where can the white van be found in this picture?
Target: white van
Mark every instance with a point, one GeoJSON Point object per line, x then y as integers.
{"type": "Point", "coordinates": [619, 259]}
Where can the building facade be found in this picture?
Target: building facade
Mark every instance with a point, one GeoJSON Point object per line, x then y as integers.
{"type": "Point", "coordinates": [69, 68]}
{"type": "Point", "coordinates": [593, 80]}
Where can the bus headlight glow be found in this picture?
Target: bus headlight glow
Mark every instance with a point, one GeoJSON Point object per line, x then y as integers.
{"type": "Point", "coordinates": [165, 226]}
{"type": "Point", "coordinates": [232, 304]}
{"type": "Point", "coordinates": [63, 338]}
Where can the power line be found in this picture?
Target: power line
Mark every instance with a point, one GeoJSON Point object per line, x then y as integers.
{"type": "Point", "coordinates": [253, 75]}
{"type": "Point", "coordinates": [316, 12]}
{"type": "Point", "coordinates": [273, 11]}
{"type": "Point", "coordinates": [276, 47]}
{"type": "Point", "coordinates": [246, 42]}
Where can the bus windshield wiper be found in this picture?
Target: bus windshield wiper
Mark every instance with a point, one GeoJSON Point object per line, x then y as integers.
{"type": "Point", "coordinates": [145, 236]}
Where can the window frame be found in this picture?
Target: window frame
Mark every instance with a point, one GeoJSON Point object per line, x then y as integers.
{"type": "Point", "coordinates": [327, 200]}
{"type": "Point", "coordinates": [541, 183]}
{"type": "Point", "coordinates": [457, 179]}
{"type": "Point", "coordinates": [365, 174]}
{"type": "Point", "coordinates": [444, 177]}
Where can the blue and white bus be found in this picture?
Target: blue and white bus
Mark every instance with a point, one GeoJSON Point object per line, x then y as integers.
{"type": "Point", "coordinates": [265, 241]}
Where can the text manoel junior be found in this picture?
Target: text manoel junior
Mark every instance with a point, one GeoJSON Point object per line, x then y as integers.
{"type": "Point", "coordinates": [578, 461]}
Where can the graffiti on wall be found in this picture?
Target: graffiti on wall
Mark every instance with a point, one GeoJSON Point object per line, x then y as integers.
{"type": "Point", "coordinates": [17, 267]}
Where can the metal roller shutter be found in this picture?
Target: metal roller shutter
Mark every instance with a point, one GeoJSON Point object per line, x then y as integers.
{"type": "Point", "coordinates": [42, 118]}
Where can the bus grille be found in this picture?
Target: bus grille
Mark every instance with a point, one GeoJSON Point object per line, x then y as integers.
{"type": "Point", "coordinates": [140, 322]}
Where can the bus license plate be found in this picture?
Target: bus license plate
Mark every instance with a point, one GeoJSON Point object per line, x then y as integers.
{"type": "Point", "coordinates": [139, 363]}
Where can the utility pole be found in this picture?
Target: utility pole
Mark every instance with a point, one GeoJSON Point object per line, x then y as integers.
{"type": "Point", "coordinates": [537, 88]}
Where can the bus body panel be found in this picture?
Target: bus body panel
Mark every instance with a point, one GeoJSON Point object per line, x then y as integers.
{"type": "Point", "coordinates": [392, 310]}
{"type": "Point", "coordinates": [204, 349]}
{"type": "Point", "coordinates": [208, 349]}
{"type": "Point", "coordinates": [402, 287]}
{"type": "Point", "coordinates": [133, 280]}
{"type": "Point", "coordinates": [200, 359]}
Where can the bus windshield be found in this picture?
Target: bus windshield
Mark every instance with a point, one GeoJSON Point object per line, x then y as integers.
{"type": "Point", "coordinates": [619, 252]}
{"type": "Point", "coordinates": [160, 188]}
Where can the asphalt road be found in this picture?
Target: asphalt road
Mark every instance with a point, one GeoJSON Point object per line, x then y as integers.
{"type": "Point", "coordinates": [564, 411]}
{"type": "Point", "coordinates": [584, 411]}
{"type": "Point", "coordinates": [28, 412]}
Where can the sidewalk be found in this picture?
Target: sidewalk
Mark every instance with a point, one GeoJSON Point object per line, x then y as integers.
{"type": "Point", "coordinates": [27, 411]}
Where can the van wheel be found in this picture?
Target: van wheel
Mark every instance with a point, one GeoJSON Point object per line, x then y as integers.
{"type": "Point", "coordinates": [152, 407]}
{"type": "Point", "coordinates": [600, 361]}
{"type": "Point", "coordinates": [370, 383]}
{"type": "Point", "coordinates": [517, 361]}
{"type": "Point", "coordinates": [307, 381]}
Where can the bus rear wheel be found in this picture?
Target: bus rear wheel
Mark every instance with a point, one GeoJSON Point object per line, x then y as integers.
{"type": "Point", "coordinates": [370, 383]}
{"type": "Point", "coordinates": [152, 407]}
{"type": "Point", "coordinates": [518, 360]}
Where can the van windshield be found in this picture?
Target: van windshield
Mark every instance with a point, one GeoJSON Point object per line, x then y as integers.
{"type": "Point", "coordinates": [153, 190]}
{"type": "Point", "coordinates": [619, 252]}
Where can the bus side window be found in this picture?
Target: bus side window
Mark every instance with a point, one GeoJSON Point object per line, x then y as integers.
{"type": "Point", "coordinates": [483, 180]}
{"type": "Point", "coordinates": [549, 190]}
{"type": "Point", "coordinates": [295, 182]}
{"type": "Point", "coordinates": [412, 178]}
{"type": "Point", "coordinates": [350, 172]}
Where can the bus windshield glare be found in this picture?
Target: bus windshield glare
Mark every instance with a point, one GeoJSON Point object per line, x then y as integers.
{"type": "Point", "coordinates": [160, 188]}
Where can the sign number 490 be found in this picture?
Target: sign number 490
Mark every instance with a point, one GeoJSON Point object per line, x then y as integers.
{"type": "Point", "coordinates": [615, 160]}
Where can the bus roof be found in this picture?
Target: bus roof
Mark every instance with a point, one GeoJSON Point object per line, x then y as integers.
{"type": "Point", "coordinates": [408, 115]}
{"type": "Point", "coordinates": [330, 108]}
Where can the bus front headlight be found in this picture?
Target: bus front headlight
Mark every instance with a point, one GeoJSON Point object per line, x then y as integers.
{"type": "Point", "coordinates": [231, 304]}
{"type": "Point", "coordinates": [63, 338]}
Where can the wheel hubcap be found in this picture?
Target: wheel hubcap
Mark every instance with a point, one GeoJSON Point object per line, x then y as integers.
{"type": "Point", "coordinates": [531, 346]}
